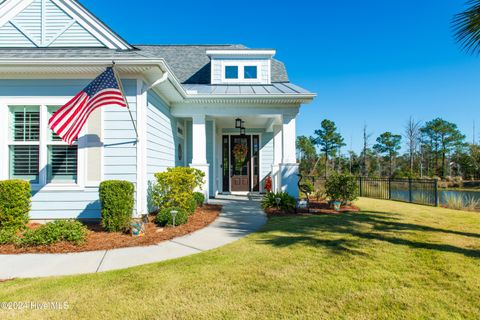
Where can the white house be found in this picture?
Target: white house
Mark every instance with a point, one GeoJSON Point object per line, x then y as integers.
{"type": "Point", "coordinates": [185, 100]}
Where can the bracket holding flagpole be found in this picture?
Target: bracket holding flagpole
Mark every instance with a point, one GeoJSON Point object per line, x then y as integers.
{"type": "Point", "coordinates": [125, 97]}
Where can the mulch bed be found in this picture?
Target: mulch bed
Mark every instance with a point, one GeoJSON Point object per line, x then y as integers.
{"type": "Point", "coordinates": [316, 208]}
{"type": "Point", "coordinates": [98, 239]}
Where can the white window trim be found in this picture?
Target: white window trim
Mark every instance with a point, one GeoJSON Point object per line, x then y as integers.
{"type": "Point", "coordinates": [5, 141]}
{"type": "Point", "coordinates": [241, 73]}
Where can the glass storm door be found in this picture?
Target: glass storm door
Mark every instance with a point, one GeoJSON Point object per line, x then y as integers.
{"type": "Point", "coordinates": [240, 163]}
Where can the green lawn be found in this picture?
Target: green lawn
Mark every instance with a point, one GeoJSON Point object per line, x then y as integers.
{"type": "Point", "coordinates": [393, 260]}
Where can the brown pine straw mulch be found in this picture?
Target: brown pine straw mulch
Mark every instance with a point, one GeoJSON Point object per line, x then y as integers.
{"type": "Point", "coordinates": [316, 208]}
{"type": "Point", "coordinates": [97, 239]}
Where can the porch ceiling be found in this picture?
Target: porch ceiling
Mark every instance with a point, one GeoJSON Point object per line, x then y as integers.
{"type": "Point", "coordinates": [263, 122]}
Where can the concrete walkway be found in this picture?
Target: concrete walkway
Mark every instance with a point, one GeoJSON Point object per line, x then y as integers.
{"type": "Point", "coordinates": [240, 216]}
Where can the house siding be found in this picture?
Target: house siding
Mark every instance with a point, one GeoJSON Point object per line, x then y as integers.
{"type": "Point", "coordinates": [162, 141]}
{"type": "Point", "coordinates": [119, 149]}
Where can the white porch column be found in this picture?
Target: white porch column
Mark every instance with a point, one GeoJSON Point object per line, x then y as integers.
{"type": "Point", "coordinates": [199, 150]}
{"type": "Point", "coordinates": [289, 167]}
{"type": "Point", "coordinates": [289, 139]}
{"type": "Point", "coordinates": [277, 157]}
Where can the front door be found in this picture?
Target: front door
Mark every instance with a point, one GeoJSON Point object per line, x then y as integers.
{"type": "Point", "coordinates": [240, 163]}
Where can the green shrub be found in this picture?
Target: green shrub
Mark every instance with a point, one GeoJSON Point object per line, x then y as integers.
{"type": "Point", "coordinates": [341, 187]}
{"type": "Point", "coordinates": [53, 232]}
{"type": "Point", "coordinates": [117, 199]}
{"type": "Point", "coordinates": [193, 205]}
{"type": "Point", "coordinates": [175, 187]}
{"type": "Point", "coordinates": [164, 216]}
{"type": "Point", "coordinates": [8, 236]}
{"type": "Point", "coordinates": [199, 198]}
{"type": "Point", "coordinates": [14, 204]}
{"type": "Point", "coordinates": [287, 202]}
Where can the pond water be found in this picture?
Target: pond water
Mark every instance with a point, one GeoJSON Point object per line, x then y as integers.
{"type": "Point", "coordinates": [429, 197]}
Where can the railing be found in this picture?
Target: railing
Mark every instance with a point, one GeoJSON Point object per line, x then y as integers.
{"type": "Point", "coordinates": [420, 191]}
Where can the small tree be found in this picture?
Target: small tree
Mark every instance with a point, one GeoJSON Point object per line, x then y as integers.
{"type": "Point", "coordinates": [341, 187]}
{"type": "Point", "coordinates": [329, 140]}
{"type": "Point", "coordinates": [388, 144]}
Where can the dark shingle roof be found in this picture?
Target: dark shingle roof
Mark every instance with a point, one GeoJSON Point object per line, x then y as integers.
{"type": "Point", "coordinates": [189, 63]}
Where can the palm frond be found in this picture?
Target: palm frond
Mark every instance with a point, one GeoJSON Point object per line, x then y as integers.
{"type": "Point", "coordinates": [466, 26]}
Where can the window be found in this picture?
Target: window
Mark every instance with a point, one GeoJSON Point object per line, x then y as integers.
{"type": "Point", "coordinates": [250, 72]}
{"type": "Point", "coordinates": [62, 158]}
{"type": "Point", "coordinates": [25, 143]}
{"type": "Point", "coordinates": [30, 141]}
{"type": "Point", "coordinates": [231, 72]}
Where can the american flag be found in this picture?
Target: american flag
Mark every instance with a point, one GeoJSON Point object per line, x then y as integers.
{"type": "Point", "coordinates": [69, 120]}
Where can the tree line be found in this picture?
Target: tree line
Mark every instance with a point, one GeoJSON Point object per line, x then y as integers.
{"type": "Point", "coordinates": [436, 148]}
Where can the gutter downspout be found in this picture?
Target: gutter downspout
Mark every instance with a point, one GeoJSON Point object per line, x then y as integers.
{"type": "Point", "coordinates": [159, 81]}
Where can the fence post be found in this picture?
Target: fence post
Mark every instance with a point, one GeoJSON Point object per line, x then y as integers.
{"type": "Point", "coordinates": [360, 182]}
{"type": "Point", "coordinates": [436, 192]}
{"type": "Point", "coordinates": [389, 188]}
{"type": "Point", "coordinates": [410, 199]}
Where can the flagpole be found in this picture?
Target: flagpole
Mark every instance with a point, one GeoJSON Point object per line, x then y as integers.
{"type": "Point", "coordinates": [126, 100]}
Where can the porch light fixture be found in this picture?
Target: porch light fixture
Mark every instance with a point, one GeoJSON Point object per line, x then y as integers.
{"type": "Point", "coordinates": [242, 131]}
{"type": "Point", "coordinates": [238, 123]}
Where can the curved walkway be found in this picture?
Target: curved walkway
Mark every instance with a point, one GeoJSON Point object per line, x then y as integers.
{"type": "Point", "coordinates": [239, 217]}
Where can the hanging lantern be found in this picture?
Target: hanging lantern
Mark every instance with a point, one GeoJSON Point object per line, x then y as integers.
{"type": "Point", "coordinates": [238, 123]}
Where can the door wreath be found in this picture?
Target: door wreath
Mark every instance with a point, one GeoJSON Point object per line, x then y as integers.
{"type": "Point", "coordinates": [240, 152]}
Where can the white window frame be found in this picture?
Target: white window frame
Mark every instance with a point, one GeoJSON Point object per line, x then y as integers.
{"type": "Point", "coordinates": [241, 64]}
{"type": "Point", "coordinates": [5, 141]}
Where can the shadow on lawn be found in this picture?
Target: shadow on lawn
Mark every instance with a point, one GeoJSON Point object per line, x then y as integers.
{"type": "Point", "coordinates": [340, 233]}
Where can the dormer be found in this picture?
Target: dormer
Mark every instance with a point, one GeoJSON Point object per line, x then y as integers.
{"type": "Point", "coordinates": [241, 66]}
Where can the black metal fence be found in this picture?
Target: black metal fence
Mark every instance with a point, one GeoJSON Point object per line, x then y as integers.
{"type": "Point", "coordinates": [420, 191]}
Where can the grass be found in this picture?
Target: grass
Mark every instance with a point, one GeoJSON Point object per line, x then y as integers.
{"type": "Point", "coordinates": [391, 261]}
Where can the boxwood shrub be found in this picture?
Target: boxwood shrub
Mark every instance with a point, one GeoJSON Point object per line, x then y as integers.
{"type": "Point", "coordinates": [14, 204]}
{"type": "Point", "coordinates": [53, 232]}
{"type": "Point", "coordinates": [117, 200]}
{"type": "Point", "coordinates": [199, 198]}
{"type": "Point", "coordinates": [164, 216]}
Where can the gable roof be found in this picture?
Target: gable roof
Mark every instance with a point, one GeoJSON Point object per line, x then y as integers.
{"type": "Point", "coordinates": [191, 64]}
{"type": "Point", "coordinates": [54, 23]}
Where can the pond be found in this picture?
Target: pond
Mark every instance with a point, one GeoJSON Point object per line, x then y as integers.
{"type": "Point", "coordinates": [444, 195]}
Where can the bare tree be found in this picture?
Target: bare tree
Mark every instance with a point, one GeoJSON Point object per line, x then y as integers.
{"type": "Point", "coordinates": [412, 137]}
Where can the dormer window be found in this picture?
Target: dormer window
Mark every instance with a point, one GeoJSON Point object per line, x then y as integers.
{"type": "Point", "coordinates": [242, 66]}
{"type": "Point", "coordinates": [250, 72]}
{"type": "Point", "coordinates": [240, 71]}
{"type": "Point", "coordinates": [231, 72]}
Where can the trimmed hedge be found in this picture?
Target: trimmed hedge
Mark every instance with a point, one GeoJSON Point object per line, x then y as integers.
{"type": "Point", "coordinates": [53, 232]}
{"type": "Point", "coordinates": [164, 217]}
{"type": "Point", "coordinates": [117, 200]}
{"type": "Point", "coordinates": [199, 198]}
{"type": "Point", "coordinates": [14, 204]}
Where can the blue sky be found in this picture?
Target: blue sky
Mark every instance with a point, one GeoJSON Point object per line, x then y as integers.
{"type": "Point", "coordinates": [373, 62]}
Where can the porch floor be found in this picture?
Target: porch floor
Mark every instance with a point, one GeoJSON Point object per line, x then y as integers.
{"type": "Point", "coordinates": [240, 216]}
